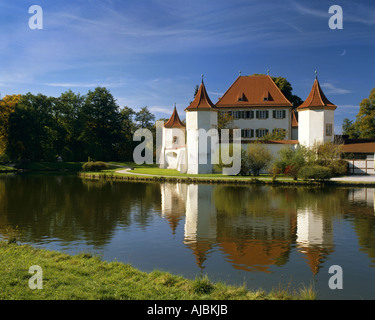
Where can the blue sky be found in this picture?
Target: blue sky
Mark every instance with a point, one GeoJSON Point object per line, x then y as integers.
{"type": "Point", "coordinates": [152, 53]}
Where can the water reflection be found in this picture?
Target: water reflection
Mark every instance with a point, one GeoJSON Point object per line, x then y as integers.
{"type": "Point", "coordinates": [251, 228]}
{"type": "Point", "coordinates": [258, 227]}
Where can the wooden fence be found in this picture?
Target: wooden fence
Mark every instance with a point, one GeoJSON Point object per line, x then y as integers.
{"type": "Point", "coordinates": [361, 166]}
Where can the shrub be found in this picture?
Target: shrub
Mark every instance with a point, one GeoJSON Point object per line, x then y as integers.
{"type": "Point", "coordinates": [202, 285]}
{"type": "Point", "coordinates": [337, 167]}
{"type": "Point", "coordinates": [290, 161]}
{"type": "Point", "coordinates": [259, 157]}
{"type": "Point", "coordinates": [94, 166]}
{"type": "Point", "coordinates": [315, 172]}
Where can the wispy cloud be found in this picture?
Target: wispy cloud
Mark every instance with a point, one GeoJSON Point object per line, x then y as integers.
{"type": "Point", "coordinates": [345, 109]}
{"type": "Point", "coordinates": [331, 89]}
{"type": "Point", "coordinates": [93, 84]}
{"type": "Point", "coordinates": [356, 12]}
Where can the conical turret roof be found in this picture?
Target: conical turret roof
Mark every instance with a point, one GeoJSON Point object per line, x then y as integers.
{"type": "Point", "coordinates": [316, 99]}
{"type": "Point", "coordinates": [174, 121]}
{"type": "Point", "coordinates": [201, 101]}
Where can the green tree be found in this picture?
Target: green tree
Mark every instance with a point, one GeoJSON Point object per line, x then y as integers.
{"type": "Point", "coordinates": [68, 122]}
{"type": "Point", "coordinates": [286, 88]}
{"type": "Point", "coordinates": [101, 122]}
{"type": "Point", "coordinates": [7, 106]}
{"type": "Point", "coordinates": [349, 129]}
{"type": "Point", "coordinates": [144, 118]}
{"type": "Point", "coordinates": [31, 129]}
{"type": "Point", "coordinates": [365, 122]}
{"type": "Point", "coordinates": [258, 157]}
{"type": "Point", "coordinates": [128, 127]}
{"type": "Point", "coordinates": [290, 161]}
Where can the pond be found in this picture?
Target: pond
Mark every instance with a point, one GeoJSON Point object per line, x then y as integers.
{"type": "Point", "coordinates": [261, 236]}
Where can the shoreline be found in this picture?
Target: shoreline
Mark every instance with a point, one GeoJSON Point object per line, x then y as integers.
{"type": "Point", "coordinates": [128, 176]}
{"type": "Point", "coordinates": [123, 172]}
{"type": "Point", "coordinates": [87, 277]}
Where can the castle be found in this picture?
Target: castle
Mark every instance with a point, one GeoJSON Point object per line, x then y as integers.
{"type": "Point", "coordinates": [257, 107]}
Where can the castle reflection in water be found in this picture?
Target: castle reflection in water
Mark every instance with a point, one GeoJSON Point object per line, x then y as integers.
{"type": "Point", "coordinates": [258, 227]}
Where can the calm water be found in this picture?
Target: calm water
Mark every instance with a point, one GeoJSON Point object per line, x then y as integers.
{"type": "Point", "coordinates": [259, 235]}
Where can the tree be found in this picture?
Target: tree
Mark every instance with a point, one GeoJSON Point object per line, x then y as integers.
{"type": "Point", "coordinates": [101, 124]}
{"type": "Point", "coordinates": [290, 161]}
{"type": "Point", "coordinates": [259, 157]}
{"type": "Point", "coordinates": [364, 126]}
{"type": "Point", "coordinates": [349, 129]}
{"type": "Point", "coordinates": [31, 130]}
{"type": "Point", "coordinates": [68, 122]}
{"type": "Point", "coordinates": [145, 118]}
{"type": "Point", "coordinates": [126, 146]}
{"type": "Point", "coordinates": [286, 88]}
{"type": "Point", "coordinates": [7, 106]}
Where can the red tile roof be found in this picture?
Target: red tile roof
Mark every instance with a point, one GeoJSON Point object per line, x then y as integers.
{"type": "Point", "coordinates": [174, 121]}
{"type": "Point", "coordinates": [316, 99]}
{"type": "Point", "coordinates": [253, 91]}
{"type": "Point", "coordinates": [294, 119]}
{"type": "Point", "coordinates": [365, 147]}
{"type": "Point", "coordinates": [201, 101]}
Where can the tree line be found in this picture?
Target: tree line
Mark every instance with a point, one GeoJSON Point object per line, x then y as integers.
{"type": "Point", "coordinates": [72, 126]}
{"type": "Point", "coordinates": [364, 125]}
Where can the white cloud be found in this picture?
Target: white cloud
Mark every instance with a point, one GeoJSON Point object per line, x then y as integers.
{"type": "Point", "coordinates": [331, 89]}
{"type": "Point", "coordinates": [347, 109]}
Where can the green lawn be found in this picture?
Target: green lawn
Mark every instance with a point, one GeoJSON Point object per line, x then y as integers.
{"type": "Point", "coordinates": [153, 169]}
{"type": "Point", "coordinates": [6, 168]}
{"type": "Point", "coordinates": [50, 166]}
{"type": "Point", "coordinates": [87, 277]}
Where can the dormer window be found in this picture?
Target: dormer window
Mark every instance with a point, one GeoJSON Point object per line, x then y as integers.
{"type": "Point", "coordinates": [242, 97]}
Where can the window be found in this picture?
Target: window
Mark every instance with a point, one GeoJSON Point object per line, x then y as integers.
{"type": "Point", "coordinates": [329, 129]}
{"type": "Point", "coordinates": [261, 132]}
{"type": "Point", "coordinates": [247, 133]}
{"type": "Point", "coordinates": [249, 114]}
{"type": "Point", "coordinates": [262, 114]}
{"type": "Point", "coordinates": [239, 114]}
{"type": "Point", "coordinates": [279, 114]}
{"type": "Point", "coordinates": [175, 139]}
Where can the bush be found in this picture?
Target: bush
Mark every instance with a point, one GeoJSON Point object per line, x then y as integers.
{"type": "Point", "coordinates": [94, 166]}
{"type": "Point", "coordinates": [315, 172]}
{"type": "Point", "coordinates": [338, 167]}
{"type": "Point", "coordinates": [258, 158]}
{"type": "Point", "coordinates": [290, 161]}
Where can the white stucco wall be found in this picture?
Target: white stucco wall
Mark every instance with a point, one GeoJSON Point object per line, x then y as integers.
{"type": "Point", "coordinates": [195, 120]}
{"type": "Point", "coordinates": [312, 126]}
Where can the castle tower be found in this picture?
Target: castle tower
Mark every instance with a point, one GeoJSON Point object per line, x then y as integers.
{"type": "Point", "coordinates": [316, 118]}
{"type": "Point", "coordinates": [173, 145]}
{"type": "Point", "coordinates": [200, 114]}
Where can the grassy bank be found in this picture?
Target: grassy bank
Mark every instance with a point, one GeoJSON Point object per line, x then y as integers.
{"type": "Point", "coordinates": [153, 173]}
{"type": "Point", "coordinates": [5, 169]}
{"type": "Point", "coordinates": [87, 277]}
{"type": "Point", "coordinates": [50, 166]}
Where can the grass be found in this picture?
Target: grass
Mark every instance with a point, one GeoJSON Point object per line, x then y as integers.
{"type": "Point", "coordinates": [87, 277]}
{"type": "Point", "coordinates": [154, 170]}
{"type": "Point", "coordinates": [6, 168]}
{"type": "Point", "coordinates": [50, 166]}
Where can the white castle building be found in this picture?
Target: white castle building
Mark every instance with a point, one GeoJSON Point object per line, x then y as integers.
{"type": "Point", "coordinates": [258, 107]}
